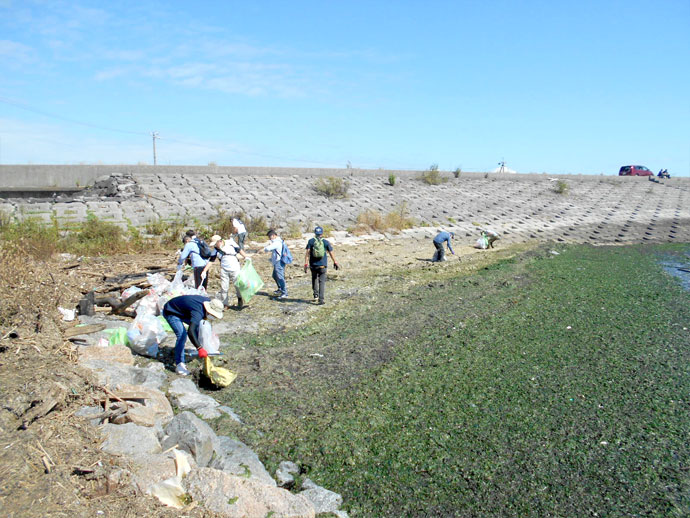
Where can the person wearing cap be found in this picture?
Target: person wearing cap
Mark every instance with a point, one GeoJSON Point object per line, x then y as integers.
{"type": "Point", "coordinates": [319, 265]}
{"type": "Point", "coordinates": [191, 250]}
{"type": "Point", "coordinates": [227, 250]}
{"type": "Point", "coordinates": [190, 310]}
{"type": "Point", "coordinates": [275, 246]}
{"type": "Point", "coordinates": [442, 237]}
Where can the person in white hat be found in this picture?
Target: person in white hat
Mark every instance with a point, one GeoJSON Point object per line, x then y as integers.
{"type": "Point", "coordinates": [190, 310]}
{"type": "Point", "coordinates": [227, 250]}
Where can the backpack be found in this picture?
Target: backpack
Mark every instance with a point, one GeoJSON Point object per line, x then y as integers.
{"type": "Point", "coordinates": [286, 255]}
{"type": "Point", "coordinates": [318, 249]}
{"type": "Point", "coordinates": [205, 251]}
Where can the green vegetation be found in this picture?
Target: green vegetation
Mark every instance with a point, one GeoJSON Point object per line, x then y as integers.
{"type": "Point", "coordinates": [391, 179]}
{"type": "Point", "coordinates": [432, 176]}
{"type": "Point", "coordinates": [561, 187]}
{"type": "Point", "coordinates": [540, 385]}
{"type": "Point", "coordinates": [332, 187]}
{"type": "Point", "coordinates": [457, 172]}
{"type": "Point", "coordinates": [373, 221]}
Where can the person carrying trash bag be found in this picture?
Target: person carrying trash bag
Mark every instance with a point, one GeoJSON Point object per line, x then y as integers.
{"type": "Point", "coordinates": [440, 253]}
{"type": "Point", "coordinates": [227, 250]}
{"type": "Point", "coordinates": [190, 310]}
{"type": "Point", "coordinates": [316, 259]}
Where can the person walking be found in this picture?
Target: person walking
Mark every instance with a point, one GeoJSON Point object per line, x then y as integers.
{"type": "Point", "coordinates": [275, 246]}
{"type": "Point", "coordinates": [316, 259]}
{"type": "Point", "coordinates": [241, 231]}
{"type": "Point", "coordinates": [190, 310]}
{"type": "Point", "coordinates": [192, 251]}
{"type": "Point", "coordinates": [227, 250]}
{"type": "Point", "coordinates": [441, 238]}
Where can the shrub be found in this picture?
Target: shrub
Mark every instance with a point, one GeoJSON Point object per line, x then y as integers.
{"type": "Point", "coordinates": [332, 187]}
{"type": "Point", "coordinates": [391, 179]}
{"type": "Point", "coordinates": [457, 172]}
{"type": "Point", "coordinates": [373, 220]}
{"type": "Point", "coordinates": [561, 187]}
{"type": "Point", "coordinates": [432, 176]}
{"type": "Point", "coordinates": [399, 219]}
{"type": "Point", "coordinates": [293, 230]}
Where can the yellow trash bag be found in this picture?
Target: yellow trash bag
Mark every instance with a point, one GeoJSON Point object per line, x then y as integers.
{"type": "Point", "coordinates": [219, 376]}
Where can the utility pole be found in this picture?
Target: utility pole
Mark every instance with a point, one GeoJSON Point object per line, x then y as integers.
{"type": "Point", "coordinates": [154, 135]}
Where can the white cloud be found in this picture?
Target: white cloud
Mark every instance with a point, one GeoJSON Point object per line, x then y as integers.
{"type": "Point", "coordinates": [17, 52]}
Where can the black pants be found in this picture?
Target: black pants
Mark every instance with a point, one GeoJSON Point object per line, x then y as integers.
{"type": "Point", "coordinates": [440, 253]}
{"type": "Point", "coordinates": [197, 277]}
{"type": "Point", "coordinates": [318, 282]}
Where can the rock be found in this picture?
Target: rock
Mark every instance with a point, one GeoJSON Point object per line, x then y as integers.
{"type": "Point", "coordinates": [237, 458]}
{"type": "Point", "coordinates": [230, 412]}
{"type": "Point", "coordinates": [129, 439]}
{"type": "Point", "coordinates": [284, 473]}
{"type": "Point", "coordinates": [90, 411]}
{"type": "Point", "coordinates": [238, 497]}
{"type": "Point", "coordinates": [148, 470]}
{"type": "Point", "coordinates": [185, 395]}
{"type": "Point", "coordinates": [323, 500]}
{"type": "Point", "coordinates": [192, 435]}
{"type": "Point", "coordinates": [156, 407]}
{"type": "Point", "coordinates": [111, 374]}
{"type": "Point", "coordinates": [113, 353]}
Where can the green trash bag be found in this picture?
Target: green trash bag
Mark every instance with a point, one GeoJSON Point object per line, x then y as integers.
{"type": "Point", "coordinates": [118, 335]}
{"type": "Point", "coordinates": [248, 281]}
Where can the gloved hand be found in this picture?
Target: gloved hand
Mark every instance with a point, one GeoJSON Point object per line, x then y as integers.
{"type": "Point", "coordinates": [337, 266]}
{"type": "Point", "coordinates": [202, 353]}
{"type": "Point", "coordinates": [306, 266]}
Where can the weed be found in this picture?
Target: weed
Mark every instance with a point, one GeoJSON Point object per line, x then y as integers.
{"type": "Point", "coordinates": [213, 164]}
{"type": "Point", "coordinates": [372, 220]}
{"type": "Point", "coordinates": [332, 187]}
{"type": "Point", "coordinates": [457, 172]}
{"type": "Point", "coordinates": [452, 221]}
{"type": "Point", "coordinates": [293, 230]}
{"type": "Point", "coordinates": [432, 176]}
{"type": "Point", "coordinates": [561, 187]}
{"type": "Point", "coordinates": [391, 179]}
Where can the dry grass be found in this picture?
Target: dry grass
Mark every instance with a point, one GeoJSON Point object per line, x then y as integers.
{"type": "Point", "coordinates": [373, 221]}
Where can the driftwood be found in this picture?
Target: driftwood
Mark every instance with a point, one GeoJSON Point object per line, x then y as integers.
{"type": "Point", "coordinates": [83, 330]}
{"type": "Point", "coordinates": [119, 307]}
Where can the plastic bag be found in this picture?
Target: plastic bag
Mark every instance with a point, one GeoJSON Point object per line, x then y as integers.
{"type": "Point", "coordinates": [145, 334]}
{"type": "Point", "coordinates": [148, 305]}
{"type": "Point", "coordinates": [482, 243]}
{"type": "Point", "coordinates": [118, 335]}
{"type": "Point", "coordinates": [177, 286]}
{"type": "Point", "coordinates": [219, 376]}
{"type": "Point", "coordinates": [158, 282]}
{"type": "Point", "coordinates": [129, 292]}
{"type": "Point", "coordinates": [248, 281]}
{"type": "Point", "coordinates": [209, 340]}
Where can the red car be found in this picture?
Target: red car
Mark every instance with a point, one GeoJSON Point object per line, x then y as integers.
{"type": "Point", "coordinates": [634, 170]}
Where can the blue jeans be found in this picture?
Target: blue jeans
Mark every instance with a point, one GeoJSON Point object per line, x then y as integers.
{"type": "Point", "coordinates": [181, 334]}
{"type": "Point", "coordinates": [279, 277]}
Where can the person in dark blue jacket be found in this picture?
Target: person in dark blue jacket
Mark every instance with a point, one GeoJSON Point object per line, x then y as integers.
{"type": "Point", "coordinates": [442, 237]}
{"type": "Point", "coordinates": [190, 310]}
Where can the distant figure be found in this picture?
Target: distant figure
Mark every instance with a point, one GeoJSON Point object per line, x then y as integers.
{"type": "Point", "coordinates": [486, 239]}
{"type": "Point", "coordinates": [663, 173]}
{"type": "Point", "coordinates": [275, 246]}
{"type": "Point", "coordinates": [227, 250]}
{"type": "Point", "coordinates": [241, 231]}
{"type": "Point", "coordinates": [192, 251]}
{"type": "Point", "coordinates": [441, 238]}
{"type": "Point", "coordinates": [316, 259]}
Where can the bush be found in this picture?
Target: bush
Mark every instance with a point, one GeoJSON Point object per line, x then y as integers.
{"type": "Point", "coordinates": [561, 187]}
{"type": "Point", "coordinates": [373, 221]}
{"type": "Point", "coordinates": [391, 179]}
{"type": "Point", "coordinates": [457, 172]}
{"type": "Point", "coordinates": [432, 176]}
{"type": "Point", "coordinates": [332, 187]}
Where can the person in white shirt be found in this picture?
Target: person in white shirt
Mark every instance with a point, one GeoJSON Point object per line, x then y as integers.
{"type": "Point", "coordinates": [241, 231]}
{"type": "Point", "coordinates": [227, 251]}
{"type": "Point", "coordinates": [275, 246]}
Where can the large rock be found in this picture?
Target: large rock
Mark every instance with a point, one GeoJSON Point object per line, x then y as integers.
{"type": "Point", "coordinates": [192, 435]}
{"type": "Point", "coordinates": [113, 353]}
{"type": "Point", "coordinates": [323, 500]}
{"type": "Point", "coordinates": [155, 406]}
{"type": "Point", "coordinates": [236, 458]}
{"type": "Point", "coordinates": [149, 470]}
{"type": "Point", "coordinates": [112, 374]}
{"type": "Point", "coordinates": [185, 395]}
{"type": "Point", "coordinates": [129, 439]}
{"type": "Point", "coordinates": [238, 497]}
{"type": "Point", "coordinates": [284, 473]}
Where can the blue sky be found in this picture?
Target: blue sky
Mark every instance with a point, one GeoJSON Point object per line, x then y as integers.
{"type": "Point", "coordinates": [548, 86]}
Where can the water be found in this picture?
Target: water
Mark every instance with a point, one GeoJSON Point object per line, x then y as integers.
{"type": "Point", "coordinates": [678, 267]}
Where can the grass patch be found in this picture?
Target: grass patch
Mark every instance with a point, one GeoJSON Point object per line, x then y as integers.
{"type": "Point", "coordinates": [432, 176]}
{"type": "Point", "coordinates": [538, 386]}
{"type": "Point", "coordinates": [561, 187]}
{"type": "Point", "coordinates": [373, 221]}
{"type": "Point", "coordinates": [332, 187]}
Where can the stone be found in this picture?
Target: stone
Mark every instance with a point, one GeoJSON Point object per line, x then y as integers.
{"type": "Point", "coordinates": [230, 412]}
{"type": "Point", "coordinates": [237, 497]}
{"type": "Point", "coordinates": [185, 395]}
{"type": "Point", "coordinates": [111, 375]}
{"type": "Point", "coordinates": [192, 435]}
{"type": "Point", "coordinates": [237, 458]}
{"type": "Point", "coordinates": [284, 473]}
{"type": "Point", "coordinates": [323, 500]}
{"type": "Point", "coordinates": [148, 470]}
{"type": "Point", "coordinates": [113, 353]}
{"type": "Point", "coordinates": [129, 439]}
{"type": "Point", "coordinates": [90, 412]}
{"type": "Point", "coordinates": [155, 406]}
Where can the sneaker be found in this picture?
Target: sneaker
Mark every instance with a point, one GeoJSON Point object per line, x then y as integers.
{"type": "Point", "coordinates": [181, 369]}
{"type": "Point", "coordinates": [316, 296]}
{"type": "Point", "coordinates": [240, 302]}
{"type": "Point", "coordinates": [283, 296]}
{"type": "Point", "coordinates": [321, 302]}
{"type": "Point", "coordinates": [277, 292]}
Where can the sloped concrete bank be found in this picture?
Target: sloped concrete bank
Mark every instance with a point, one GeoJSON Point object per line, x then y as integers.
{"type": "Point", "coordinates": [177, 457]}
{"type": "Point", "coordinates": [584, 209]}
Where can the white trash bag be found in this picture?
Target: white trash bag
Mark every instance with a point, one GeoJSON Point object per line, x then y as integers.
{"type": "Point", "coordinates": [145, 335]}
{"type": "Point", "coordinates": [209, 340]}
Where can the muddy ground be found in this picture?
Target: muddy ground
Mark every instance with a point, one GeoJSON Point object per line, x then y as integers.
{"type": "Point", "coordinates": [50, 462]}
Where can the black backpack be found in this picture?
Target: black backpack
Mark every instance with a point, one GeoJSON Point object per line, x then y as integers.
{"type": "Point", "coordinates": [205, 251]}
